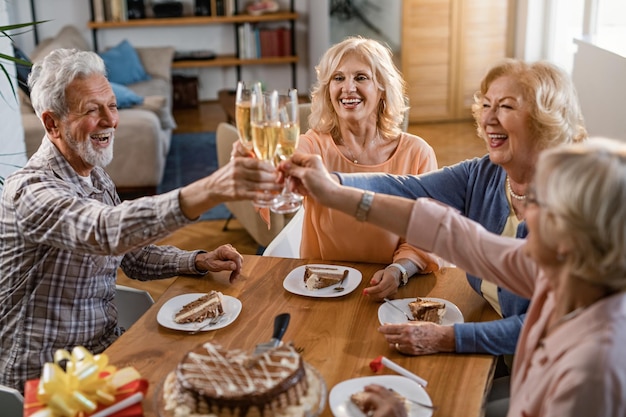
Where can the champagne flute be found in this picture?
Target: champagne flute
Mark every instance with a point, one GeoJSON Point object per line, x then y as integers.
{"type": "Point", "coordinates": [288, 114]}
{"type": "Point", "coordinates": [242, 111]}
{"type": "Point", "coordinates": [265, 128]}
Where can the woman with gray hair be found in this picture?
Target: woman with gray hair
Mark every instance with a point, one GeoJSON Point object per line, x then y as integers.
{"type": "Point", "coordinates": [521, 109]}
{"type": "Point", "coordinates": [358, 106]}
{"type": "Point", "coordinates": [572, 265]}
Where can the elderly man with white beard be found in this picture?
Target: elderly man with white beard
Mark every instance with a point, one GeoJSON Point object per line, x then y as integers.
{"type": "Point", "coordinates": [64, 231]}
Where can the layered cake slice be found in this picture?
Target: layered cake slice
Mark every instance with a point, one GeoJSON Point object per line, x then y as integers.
{"type": "Point", "coordinates": [359, 399]}
{"type": "Point", "coordinates": [316, 277]}
{"type": "Point", "coordinates": [206, 307]}
{"type": "Point", "coordinates": [427, 310]}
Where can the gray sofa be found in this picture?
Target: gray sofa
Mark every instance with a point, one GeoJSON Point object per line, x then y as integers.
{"type": "Point", "coordinates": [144, 132]}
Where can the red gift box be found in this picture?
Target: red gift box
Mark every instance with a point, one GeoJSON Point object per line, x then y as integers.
{"type": "Point", "coordinates": [32, 404]}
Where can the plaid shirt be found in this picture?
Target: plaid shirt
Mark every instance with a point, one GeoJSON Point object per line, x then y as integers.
{"type": "Point", "coordinates": [61, 243]}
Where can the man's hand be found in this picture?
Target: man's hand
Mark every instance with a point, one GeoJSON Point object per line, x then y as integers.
{"type": "Point", "coordinates": [241, 151]}
{"type": "Point", "coordinates": [242, 178]}
{"type": "Point", "coordinates": [224, 258]}
{"type": "Point", "coordinates": [419, 338]}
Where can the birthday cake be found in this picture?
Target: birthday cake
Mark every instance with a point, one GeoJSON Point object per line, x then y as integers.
{"type": "Point", "coordinates": [217, 382]}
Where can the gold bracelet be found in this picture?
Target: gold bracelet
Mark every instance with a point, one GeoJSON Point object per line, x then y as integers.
{"type": "Point", "coordinates": [364, 206]}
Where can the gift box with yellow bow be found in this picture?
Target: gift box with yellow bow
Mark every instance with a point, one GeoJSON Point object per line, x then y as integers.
{"type": "Point", "coordinates": [87, 386]}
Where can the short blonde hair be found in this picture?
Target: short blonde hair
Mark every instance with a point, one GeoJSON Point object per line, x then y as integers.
{"type": "Point", "coordinates": [583, 188]}
{"type": "Point", "coordinates": [386, 76]}
{"type": "Point", "coordinates": [555, 114]}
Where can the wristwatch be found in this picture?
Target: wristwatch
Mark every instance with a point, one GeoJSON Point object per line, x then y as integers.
{"type": "Point", "coordinates": [404, 275]}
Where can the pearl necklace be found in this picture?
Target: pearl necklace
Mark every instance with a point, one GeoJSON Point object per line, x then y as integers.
{"type": "Point", "coordinates": [512, 193]}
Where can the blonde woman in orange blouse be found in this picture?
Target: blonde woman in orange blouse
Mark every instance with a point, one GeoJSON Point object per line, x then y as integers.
{"type": "Point", "coordinates": [357, 108]}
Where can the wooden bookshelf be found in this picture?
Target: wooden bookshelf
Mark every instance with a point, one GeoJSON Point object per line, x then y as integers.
{"type": "Point", "coordinates": [222, 60]}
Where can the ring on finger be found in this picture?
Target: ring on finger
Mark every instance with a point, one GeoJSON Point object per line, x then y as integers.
{"type": "Point", "coordinates": [397, 346]}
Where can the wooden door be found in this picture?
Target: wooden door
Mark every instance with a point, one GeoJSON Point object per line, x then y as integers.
{"type": "Point", "coordinates": [447, 45]}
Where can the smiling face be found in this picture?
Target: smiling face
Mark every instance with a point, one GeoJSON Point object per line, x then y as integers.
{"type": "Point", "coordinates": [85, 136]}
{"type": "Point", "coordinates": [505, 120]}
{"type": "Point", "coordinates": [353, 92]}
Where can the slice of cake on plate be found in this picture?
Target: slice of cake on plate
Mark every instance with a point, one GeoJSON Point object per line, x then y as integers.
{"type": "Point", "coordinates": [206, 307]}
{"type": "Point", "coordinates": [427, 310]}
{"type": "Point", "coordinates": [316, 277]}
{"type": "Point", "coordinates": [359, 399]}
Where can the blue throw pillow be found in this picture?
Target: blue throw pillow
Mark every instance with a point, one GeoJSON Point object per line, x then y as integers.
{"type": "Point", "coordinates": [123, 64]}
{"type": "Point", "coordinates": [125, 96]}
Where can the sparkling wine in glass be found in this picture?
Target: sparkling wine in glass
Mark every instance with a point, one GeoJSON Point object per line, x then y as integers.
{"type": "Point", "coordinates": [265, 130]}
{"type": "Point", "coordinates": [288, 115]}
{"type": "Point", "coordinates": [242, 111]}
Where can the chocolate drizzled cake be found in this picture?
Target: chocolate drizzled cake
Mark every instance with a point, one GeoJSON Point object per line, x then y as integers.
{"type": "Point", "coordinates": [212, 381]}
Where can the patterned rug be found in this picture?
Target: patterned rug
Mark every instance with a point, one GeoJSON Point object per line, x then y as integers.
{"type": "Point", "coordinates": [191, 157]}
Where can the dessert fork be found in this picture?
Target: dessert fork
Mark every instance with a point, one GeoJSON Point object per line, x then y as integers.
{"type": "Point", "coordinates": [419, 403]}
{"type": "Point", "coordinates": [211, 322]}
{"type": "Point", "coordinates": [388, 301]}
{"type": "Point", "coordinates": [339, 286]}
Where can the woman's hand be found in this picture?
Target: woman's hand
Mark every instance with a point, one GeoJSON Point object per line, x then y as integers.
{"type": "Point", "coordinates": [383, 403]}
{"type": "Point", "coordinates": [419, 338]}
{"type": "Point", "coordinates": [224, 258]}
{"type": "Point", "coordinates": [309, 176]}
{"type": "Point", "coordinates": [383, 284]}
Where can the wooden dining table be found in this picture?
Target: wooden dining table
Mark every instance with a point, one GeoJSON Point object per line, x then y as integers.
{"type": "Point", "coordinates": [338, 335]}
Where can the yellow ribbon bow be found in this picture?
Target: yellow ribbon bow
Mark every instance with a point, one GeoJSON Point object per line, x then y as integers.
{"type": "Point", "coordinates": [81, 387]}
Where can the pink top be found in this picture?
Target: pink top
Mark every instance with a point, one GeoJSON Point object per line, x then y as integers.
{"type": "Point", "coordinates": [579, 369]}
{"type": "Point", "coordinates": [330, 235]}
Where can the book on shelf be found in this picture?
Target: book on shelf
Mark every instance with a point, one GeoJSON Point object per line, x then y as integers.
{"type": "Point", "coordinates": [98, 10]}
{"type": "Point", "coordinates": [223, 7]}
{"type": "Point", "coordinates": [114, 10]}
{"type": "Point", "coordinates": [274, 42]}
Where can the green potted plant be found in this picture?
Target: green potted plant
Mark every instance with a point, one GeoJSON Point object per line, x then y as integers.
{"type": "Point", "coordinates": [6, 59]}
{"type": "Point", "coordinates": [4, 30]}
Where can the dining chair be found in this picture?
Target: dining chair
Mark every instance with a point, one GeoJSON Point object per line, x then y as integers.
{"type": "Point", "coordinates": [287, 243]}
{"type": "Point", "coordinates": [131, 304]}
{"type": "Point", "coordinates": [11, 401]}
{"type": "Point", "coordinates": [244, 211]}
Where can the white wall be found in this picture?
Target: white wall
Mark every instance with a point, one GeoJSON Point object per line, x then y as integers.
{"type": "Point", "coordinates": [599, 75]}
{"type": "Point", "coordinates": [12, 148]}
{"type": "Point", "coordinates": [218, 38]}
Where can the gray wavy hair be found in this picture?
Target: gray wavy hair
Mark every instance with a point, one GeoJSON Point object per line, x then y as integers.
{"type": "Point", "coordinates": [50, 77]}
{"type": "Point", "coordinates": [386, 76]}
{"type": "Point", "coordinates": [583, 188]}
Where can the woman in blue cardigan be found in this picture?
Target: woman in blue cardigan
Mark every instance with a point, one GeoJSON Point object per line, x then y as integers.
{"type": "Point", "coordinates": [519, 110]}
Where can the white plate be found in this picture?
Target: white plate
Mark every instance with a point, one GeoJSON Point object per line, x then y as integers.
{"type": "Point", "coordinates": [388, 314]}
{"type": "Point", "coordinates": [341, 406]}
{"type": "Point", "coordinates": [294, 282]}
{"type": "Point", "coordinates": [165, 316]}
